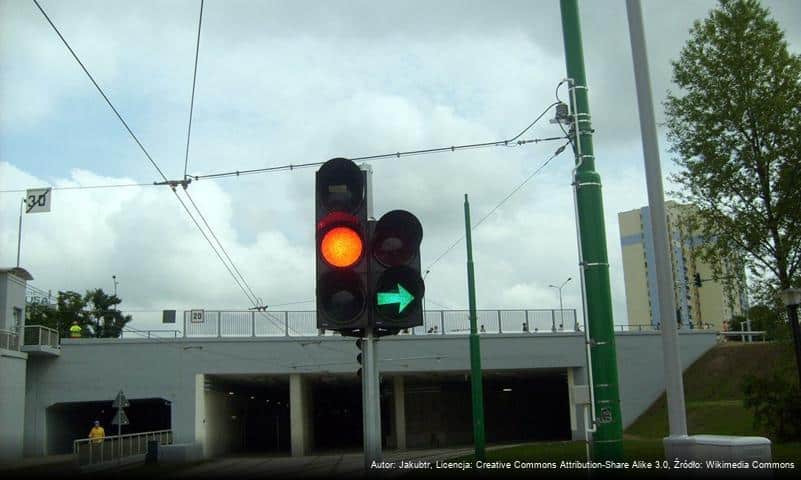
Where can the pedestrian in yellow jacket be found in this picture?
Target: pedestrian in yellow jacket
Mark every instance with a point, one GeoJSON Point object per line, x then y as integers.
{"type": "Point", "coordinates": [75, 330]}
{"type": "Point", "coordinates": [97, 433]}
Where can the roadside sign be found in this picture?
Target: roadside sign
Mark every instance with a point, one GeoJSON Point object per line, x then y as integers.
{"type": "Point", "coordinates": [120, 401]}
{"type": "Point", "coordinates": [196, 316]}
{"type": "Point", "coordinates": [38, 200]}
{"type": "Point", "coordinates": [120, 418]}
{"type": "Point", "coordinates": [168, 316]}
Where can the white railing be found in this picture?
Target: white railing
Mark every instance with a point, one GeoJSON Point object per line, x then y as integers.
{"type": "Point", "coordinates": [41, 336]}
{"type": "Point", "coordinates": [9, 340]}
{"type": "Point", "coordinates": [219, 323]}
{"type": "Point", "coordinates": [133, 333]}
{"type": "Point", "coordinates": [96, 451]}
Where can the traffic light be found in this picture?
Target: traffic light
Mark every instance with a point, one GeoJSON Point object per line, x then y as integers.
{"type": "Point", "coordinates": [359, 357]}
{"type": "Point", "coordinates": [396, 287]}
{"type": "Point", "coordinates": [697, 279]}
{"type": "Point", "coordinates": [341, 236]}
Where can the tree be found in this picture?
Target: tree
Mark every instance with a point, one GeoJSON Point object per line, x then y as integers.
{"type": "Point", "coordinates": [737, 133]}
{"type": "Point", "coordinates": [103, 317]}
{"type": "Point", "coordinates": [96, 312]}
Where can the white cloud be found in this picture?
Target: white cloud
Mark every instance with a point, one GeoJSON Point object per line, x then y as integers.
{"type": "Point", "coordinates": [299, 82]}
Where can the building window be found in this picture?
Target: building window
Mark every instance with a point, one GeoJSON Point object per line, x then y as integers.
{"type": "Point", "coordinates": [18, 319]}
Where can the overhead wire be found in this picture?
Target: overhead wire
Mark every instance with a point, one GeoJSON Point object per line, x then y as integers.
{"type": "Point", "coordinates": [194, 82]}
{"type": "Point", "coordinates": [252, 299]}
{"type": "Point", "coordinates": [511, 142]}
{"type": "Point", "coordinates": [79, 187]}
{"type": "Point", "coordinates": [102, 93]}
{"type": "Point", "coordinates": [497, 206]}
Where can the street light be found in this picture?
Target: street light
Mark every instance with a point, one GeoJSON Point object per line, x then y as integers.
{"type": "Point", "coordinates": [791, 298]}
{"type": "Point", "coordinates": [561, 309]}
{"type": "Point", "coordinates": [114, 277]}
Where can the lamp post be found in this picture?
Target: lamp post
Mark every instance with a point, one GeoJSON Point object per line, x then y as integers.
{"type": "Point", "coordinates": [114, 277]}
{"type": "Point", "coordinates": [561, 309]}
{"type": "Point", "coordinates": [791, 298]}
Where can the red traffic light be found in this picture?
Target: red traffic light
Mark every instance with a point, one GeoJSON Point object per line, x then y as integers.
{"type": "Point", "coordinates": [341, 247]}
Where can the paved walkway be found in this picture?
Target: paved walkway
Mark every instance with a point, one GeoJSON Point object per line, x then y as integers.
{"type": "Point", "coordinates": [317, 466]}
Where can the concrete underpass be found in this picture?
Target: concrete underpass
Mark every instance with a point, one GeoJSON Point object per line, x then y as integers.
{"type": "Point", "coordinates": [70, 421]}
{"type": "Point", "coordinates": [322, 413]}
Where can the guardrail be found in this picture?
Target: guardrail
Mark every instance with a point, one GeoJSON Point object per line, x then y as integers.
{"type": "Point", "coordinates": [131, 333]}
{"type": "Point", "coordinates": [40, 335]}
{"type": "Point", "coordinates": [218, 323]}
{"type": "Point", "coordinates": [745, 335]}
{"type": "Point", "coordinates": [97, 451]}
{"type": "Point", "coordinates": [9, 340]}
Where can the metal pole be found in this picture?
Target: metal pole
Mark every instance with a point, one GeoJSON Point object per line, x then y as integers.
{"type": "Point", "coordinates": [19, 230]}
{"type": "Point", "coordinates": [475, 349]}
{"type": "Point", "coordinates": [371, 402]}
{"type": "Point", "coordinates": [608, 438]}
{"type": "Point", "coordinates": [561, 310]}
{"type": "Point", "coordinates": [674, 390]}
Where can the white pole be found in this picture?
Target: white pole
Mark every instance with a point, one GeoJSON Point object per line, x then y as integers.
{"type": "Point", "coordinates": [677, 417]}
{"type": "Point", "coordinates": [19, 231]}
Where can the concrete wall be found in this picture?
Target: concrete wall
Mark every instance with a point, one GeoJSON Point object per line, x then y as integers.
{"type": "Point", "coordinates": [12, 403]}
{"type": "Point", "coordinates": [95, 369]}
{"type": "Point", "coordinates": [12, 295]}
{"type": "Point", "coordinates": [641, 367]}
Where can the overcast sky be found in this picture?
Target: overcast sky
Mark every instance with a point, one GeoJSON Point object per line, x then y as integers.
{"type": "Point", "coordinates": [305, 81]}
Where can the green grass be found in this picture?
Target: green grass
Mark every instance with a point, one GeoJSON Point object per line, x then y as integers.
{"type": "Point", "coordinates": [714, 401]}
{"type": "Point", "coordinates": [713, 393]}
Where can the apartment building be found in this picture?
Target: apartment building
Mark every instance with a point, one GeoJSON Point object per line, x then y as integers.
{"type": "Point", "coordinates": [710, 305]}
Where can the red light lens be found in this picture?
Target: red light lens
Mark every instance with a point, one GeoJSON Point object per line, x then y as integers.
{"type": "Point", "coordinates": [341, 247]}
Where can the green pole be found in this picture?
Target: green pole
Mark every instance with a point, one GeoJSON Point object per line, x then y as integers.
{"type": "Point", "coordinates": [607, 441]}
{"type": "Point", "coordinates": [475, 350]}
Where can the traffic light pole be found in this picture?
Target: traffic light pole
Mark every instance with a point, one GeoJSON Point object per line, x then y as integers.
{"type": "Point", "coordinates": [608, 437]}
{"type": "Point", "coordinates": [371, 401]}
{"type": "Point", "coordinates": [476, 386]}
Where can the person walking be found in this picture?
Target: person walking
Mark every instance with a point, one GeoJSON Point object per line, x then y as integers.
{"type": "Point", "coordinates": [75, 332]}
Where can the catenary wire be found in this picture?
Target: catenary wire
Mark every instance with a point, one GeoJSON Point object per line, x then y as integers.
{"type": "Point", "coordinates": [224, 251]}
{"type": "Point", "coordinates": [80, 187]}
{"type": "Point", "coordinates": [100, 90]}
{"type": "Point", "coordinates": [498, 205]}
{"type": "Point", "coordinates": [144, 150]}
{"type": "Point", "coordinates": [194, 82]}
{"type": "Point", "coordinates": [507, 143]}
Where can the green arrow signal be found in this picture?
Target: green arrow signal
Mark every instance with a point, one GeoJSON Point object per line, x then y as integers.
{"type": "Point", "coordinates": [402, 297]}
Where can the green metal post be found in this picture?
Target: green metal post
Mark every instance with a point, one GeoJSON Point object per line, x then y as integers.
{"type": "Point", "coordinates": [608, 438]}
{"type": "Point", "coordinates": [475, 350]}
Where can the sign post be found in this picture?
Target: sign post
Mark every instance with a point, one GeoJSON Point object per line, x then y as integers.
{"type": "Point", "coordinates": [120, 419]}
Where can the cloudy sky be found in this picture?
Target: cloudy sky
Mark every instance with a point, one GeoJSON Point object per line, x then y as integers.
{"type": "Point", "coordinates": [305, 81]}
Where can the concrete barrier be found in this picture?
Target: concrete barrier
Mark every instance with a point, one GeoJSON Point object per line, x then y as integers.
{"type": "Point", "coordinates": [180, 453]}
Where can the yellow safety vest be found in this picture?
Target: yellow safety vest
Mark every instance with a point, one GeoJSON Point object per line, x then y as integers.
{"type": "Point", "coordinates": [75, 331]}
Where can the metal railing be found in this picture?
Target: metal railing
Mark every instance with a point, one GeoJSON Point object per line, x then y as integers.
{"type": "Point", "coordinates": [39, 335]}
{"type": "Point", "coordinates": [9, 340]}
{"type": "Point", "coordinates": [96, 451]}
{"type": "Point", "coordinates": [227, 324]}
{"type": "Point", "coordinates": [132, 333]}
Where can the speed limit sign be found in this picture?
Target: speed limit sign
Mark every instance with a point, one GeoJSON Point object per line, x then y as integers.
{"type": "Point", "coordinates": [196, 316]}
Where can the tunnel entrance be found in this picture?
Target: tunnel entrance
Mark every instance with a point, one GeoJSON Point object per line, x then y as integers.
{"type": "Point", "coordinates": [70, 421]}
{"type": "Point", "coordinates": [337, 413]}
{"type": "Point", "coordinates": [247, 414]}
{"type": "Point", "coordinates": [520, 406]}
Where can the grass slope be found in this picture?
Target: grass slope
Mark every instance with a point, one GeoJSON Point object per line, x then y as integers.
{"type": "Point", "coordinates": [713, 393]}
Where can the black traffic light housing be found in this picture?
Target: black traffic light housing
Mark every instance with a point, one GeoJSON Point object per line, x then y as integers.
{"type": "Point", "coordinates": [341, 230]}
{"type": "Point", "coordinates": [395, 284]}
